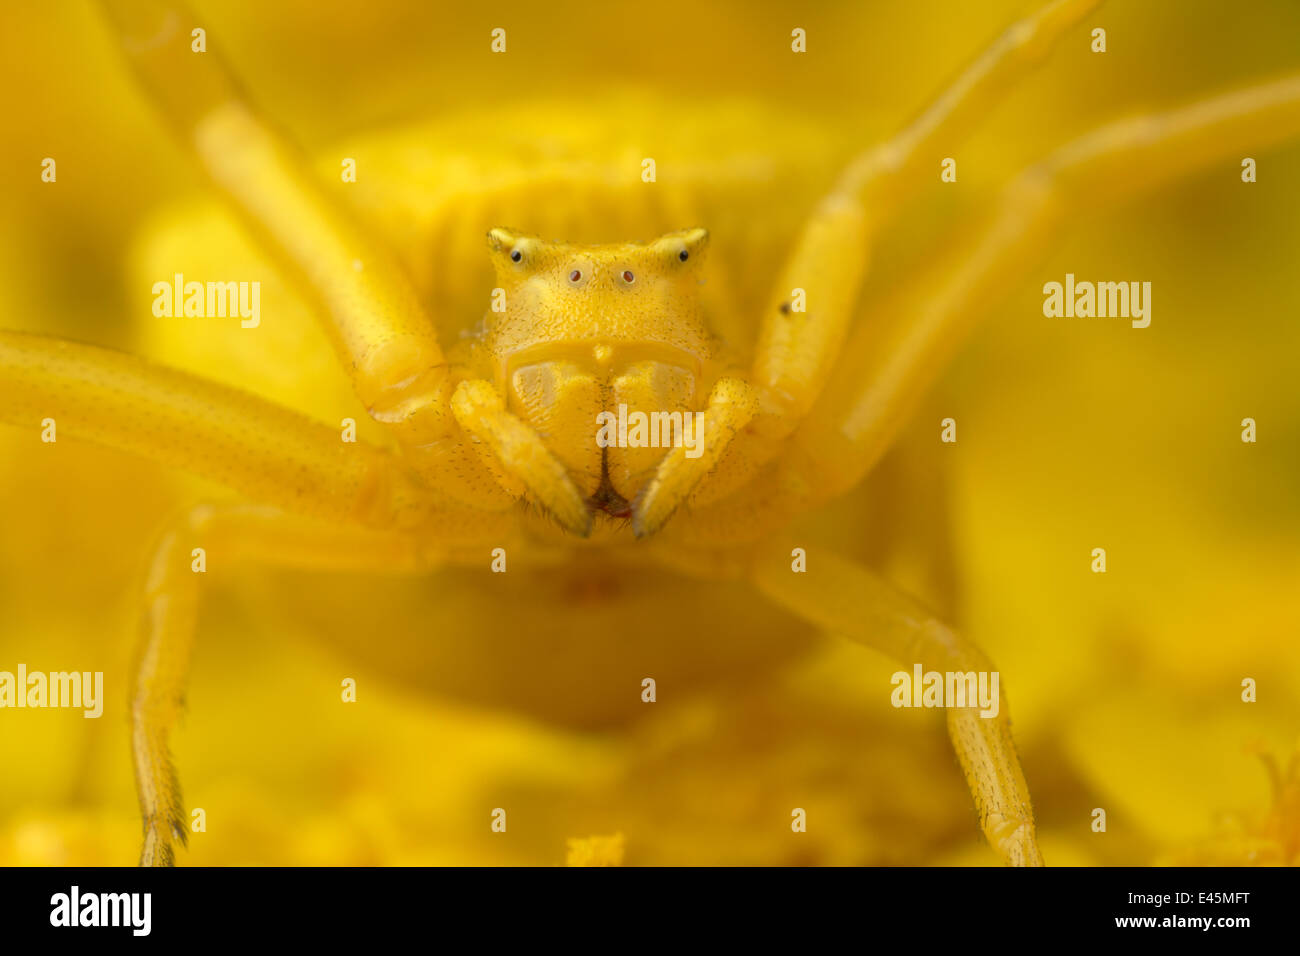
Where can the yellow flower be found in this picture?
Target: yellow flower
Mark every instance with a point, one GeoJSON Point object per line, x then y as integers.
{"type": "Point", "coordinates": [596, 851]}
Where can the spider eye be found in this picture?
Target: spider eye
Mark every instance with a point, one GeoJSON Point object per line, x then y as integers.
{"type": "Point", "coordinates": [683, 255]}
{"type": "Point", "coordinates": [575, 275]}
{"type": "Point", "coordinates": [516, 256]}
{"type": "Point", "coordinates": [628, 277]}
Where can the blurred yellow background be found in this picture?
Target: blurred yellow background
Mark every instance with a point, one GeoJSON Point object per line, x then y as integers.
{"type": "Point", "coordinates": [1125, 687]}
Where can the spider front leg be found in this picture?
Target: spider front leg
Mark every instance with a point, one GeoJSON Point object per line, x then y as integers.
{"type": "Point", "coordinates": [264, 451]}
{"type": "Point", "coordinates": [797, 346]}
{"type": "Point", "coordinates": [799, 342]}
{"type": "Point", "coordinates": [341, 505]}
{"type": "Point", "coordinates": [890, 362]}
{"type": "Point", "coordinates": [368, 306]}
{"type": "Point", "coordinates": [229, 536]}
{"type": "Point", "coordinates": [843, 598]}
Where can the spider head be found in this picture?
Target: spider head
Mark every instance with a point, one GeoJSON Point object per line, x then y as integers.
{"type": "Point", "coordinates": [580, 330]}
{"type": "Point", "coordinates": [621, 292]}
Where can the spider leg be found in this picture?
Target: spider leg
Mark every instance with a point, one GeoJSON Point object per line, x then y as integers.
{"type": "Point", "coordinates": [888, 364]}
{"type": "Point", "coordinates": [797, 349]}
{"type": "Point", "coordinates": [229, 535]}
{"type": "Point", "coordinates": [844, 598]}
{"type": "Point", "coordinates": [256, 447]}
{"type": "Point", "coordinates": [383, 337]}
{"type": "Point", "coordinates": [350, 505]}
{"type": "Point", "coordinates": [370, 309]}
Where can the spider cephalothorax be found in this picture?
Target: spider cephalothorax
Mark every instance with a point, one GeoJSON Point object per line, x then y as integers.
{"type": "Point", "coordinates": [575, 331]}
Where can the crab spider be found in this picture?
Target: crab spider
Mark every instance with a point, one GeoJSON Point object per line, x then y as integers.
{"type": "Point", "coordinates": [494, 440]}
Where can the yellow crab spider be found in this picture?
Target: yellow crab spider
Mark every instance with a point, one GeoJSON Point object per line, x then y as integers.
{"type": "Point", "coordinates": [494, 439]}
